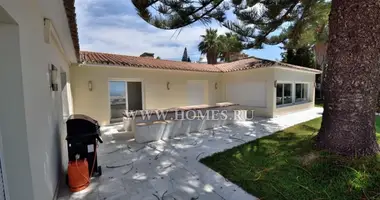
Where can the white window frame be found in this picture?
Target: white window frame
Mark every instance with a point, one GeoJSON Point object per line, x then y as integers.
{"type": "Point", "coordinates": [307, 94]}
{"type": "Point", "coordinates": [126, 80]}
{"type": "Point", "coordinates": [283, 92]}
{"type": "Point", "coordinates": [293, 86]}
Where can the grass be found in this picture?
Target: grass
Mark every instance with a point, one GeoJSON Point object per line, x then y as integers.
{"type": "Point", "coordinates": [286, 166]}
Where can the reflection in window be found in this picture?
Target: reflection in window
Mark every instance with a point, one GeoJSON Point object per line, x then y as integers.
{"type": "Point", "coordinates": [301, 92]}
{"type": "Point", "coordinates": [284, 94]}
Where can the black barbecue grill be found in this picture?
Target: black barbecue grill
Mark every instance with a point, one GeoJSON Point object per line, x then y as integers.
{"type": "Point", "coordinates": [83, 135]}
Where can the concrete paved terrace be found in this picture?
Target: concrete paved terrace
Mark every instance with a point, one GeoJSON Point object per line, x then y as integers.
{"type": "Point", "coordinates": [168, 170]}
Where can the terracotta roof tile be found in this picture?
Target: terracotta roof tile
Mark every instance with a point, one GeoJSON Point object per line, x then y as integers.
{"type": "Point", "coordinates": [87, 57]}
{"type": "Point", "coordinates": [72, 20]}
{"type": "Point", "coordinates": [145, 62]}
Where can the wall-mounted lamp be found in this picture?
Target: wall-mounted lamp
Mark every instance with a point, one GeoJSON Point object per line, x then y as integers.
{"type": "Point", "coordinates": [90, 85]}
{"type": "Point", "coordinates": [275, 84]}
{"type": "Point", "coordinates": [168, 85]}
{"type": "Point", "coordinates": [216, 86]}
{"type": "Point", "coordinates": [53, 78]}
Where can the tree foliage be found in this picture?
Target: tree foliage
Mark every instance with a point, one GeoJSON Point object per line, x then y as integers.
{"type": "Point", "coordinates": [185, 57]}
{"type": "Point", "coordinates": [295, 20]}
{"type": "Point", "coordinates": [302, 56]}
{"type": "Point", "coordinates": [219, 46]}
{"type": "Point", "coordinates": [210, 45]}
{"type": "Point", "coordinates": [229, 43]}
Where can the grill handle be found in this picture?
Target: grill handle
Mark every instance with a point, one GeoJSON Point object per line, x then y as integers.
{"type": "Point", "coordinates": [99, 139]}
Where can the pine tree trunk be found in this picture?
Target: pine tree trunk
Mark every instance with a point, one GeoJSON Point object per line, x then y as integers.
{"type": "Point", "coordinates": [352, 78]}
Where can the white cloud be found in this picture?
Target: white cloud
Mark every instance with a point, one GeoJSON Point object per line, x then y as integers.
{"type": "Point", "coordinates": [106, 28]}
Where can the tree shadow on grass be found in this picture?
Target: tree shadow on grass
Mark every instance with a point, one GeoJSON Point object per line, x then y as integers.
{"type": "Point", "coordinates": [286, 166]}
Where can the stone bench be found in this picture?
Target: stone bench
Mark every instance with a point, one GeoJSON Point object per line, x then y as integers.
{"type": "Point", "coordinates": [154, 130]}
{"type": "Point", "coordinates": [149, 132]}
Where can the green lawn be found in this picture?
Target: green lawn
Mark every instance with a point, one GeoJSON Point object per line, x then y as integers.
{"type": "Point", "coordinates": [286, 166]}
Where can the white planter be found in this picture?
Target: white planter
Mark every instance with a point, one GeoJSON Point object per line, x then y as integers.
{"type": "Point", "coordinates": [177, 128]}
{"type": "Point", "coordinates": [149, 132]}
{"type": "Point", "coordinates": [129, 124]}
{"type": "Point", "coordinates": [209, 124]}
{"type": "Point", "coordinates": [142, 133]}
{"type": "Point", "coordinates": [196, 125]}
{"type": "Point", "coordinates": [230, 118]}
{"type": "Point", "coordinates": [222, 119]}
{"type": "Point", "coordinates": [241, 115]}
{"type": "Point", "coordinates": [184, 127]}
{"type": "Point", "coordinates": [169, 131]}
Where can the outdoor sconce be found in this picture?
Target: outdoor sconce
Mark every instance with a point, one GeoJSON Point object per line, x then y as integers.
{"type": "Point", "coordinates": [275, 84]}
{"type": "Point", "coordinates": [168, 85]}
{"type": "Point", "coordinates": [216, 86]}
{"type": "Point", "coordinates": [90, 85]}
{"type": "Point", "coordinates": [53, 78]}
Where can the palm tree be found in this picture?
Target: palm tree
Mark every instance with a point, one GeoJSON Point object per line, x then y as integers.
{"type": "Point", "coordinates": [210, 45]}
{"type": "Point", "coordinates": [229, 43]}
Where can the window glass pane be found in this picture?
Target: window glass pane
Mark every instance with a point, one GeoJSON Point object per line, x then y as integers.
{"type": "Point", "coordinates": [305, 90]}
{"type": "Point", "coordinates": [117, 96]}
{"type": "Point", "coordinates": [287, 93]}
{"type": "Point", "coordinates": [301, 92]}
{"type": "Point", "coordinates": [279, 94]}
{"type": "Point", "coordinates": [298, 92]}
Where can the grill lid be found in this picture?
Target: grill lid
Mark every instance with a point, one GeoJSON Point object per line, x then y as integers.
{"type": "Point", "coordinates": [81, 125]}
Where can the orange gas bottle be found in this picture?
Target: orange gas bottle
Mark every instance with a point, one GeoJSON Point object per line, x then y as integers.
{"type": "Point", "coordinates": [78, 175]}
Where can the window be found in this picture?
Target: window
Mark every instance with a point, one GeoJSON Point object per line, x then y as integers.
{"type": "Point", "coordinates": [301, 92]}
{"type": "Point", "coordinates": [284, 94]}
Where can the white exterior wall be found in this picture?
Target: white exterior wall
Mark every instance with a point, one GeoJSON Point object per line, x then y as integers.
{"type": "Point", "coordinates": [294, 76]}
{"type": "Point", "coordinates": [95, 103]}
{"type": "Point", "coordinates": [264, 75]}
{"type": "Point", "coordinates": [32, 149]}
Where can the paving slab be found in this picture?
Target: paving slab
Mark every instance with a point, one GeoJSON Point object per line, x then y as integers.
{"type": "Point", "coordinates": [170, 169]}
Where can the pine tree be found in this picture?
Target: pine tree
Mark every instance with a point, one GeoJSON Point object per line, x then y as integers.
{"type": "Point", "coordinates": [302, 56]}
{"type": "Point", "coordinates": [185, 57]}
{"type": "Point", "coordinates": [351, 77]}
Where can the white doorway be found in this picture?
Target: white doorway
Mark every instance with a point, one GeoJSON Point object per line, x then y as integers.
{"type": "Point", "coordinates": [196, 92]}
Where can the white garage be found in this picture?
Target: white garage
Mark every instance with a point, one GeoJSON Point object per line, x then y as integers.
{"type": "Point", "coordinates": [247, 93]}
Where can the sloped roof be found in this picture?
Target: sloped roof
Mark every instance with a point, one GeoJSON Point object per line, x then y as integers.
{"type": "Point", "coordinates": [143, 62]}
{"type": "Point", "coordinates": [108, 59]}
{"type": "Point", "coordinates": [72, 20]}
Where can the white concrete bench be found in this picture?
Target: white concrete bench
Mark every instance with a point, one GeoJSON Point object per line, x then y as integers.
{"type": "Point", "coordinates": [148, 132]}
{"type": "Point", "coordinates": [155, 130]}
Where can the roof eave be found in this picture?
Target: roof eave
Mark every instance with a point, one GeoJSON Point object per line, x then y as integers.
{"type": "Point", "coordinates": [301, 69]}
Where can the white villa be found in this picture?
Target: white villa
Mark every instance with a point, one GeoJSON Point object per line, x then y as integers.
{"type": "Point", "coordinates": [44, 78]}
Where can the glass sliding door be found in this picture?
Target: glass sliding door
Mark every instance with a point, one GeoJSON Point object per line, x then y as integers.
{"type": "Point", "coordinates": [284, 94]}
{"type": "Point", "coordinates": [117, 97]}
{"type": "Point", "coordinates": [301, 92]}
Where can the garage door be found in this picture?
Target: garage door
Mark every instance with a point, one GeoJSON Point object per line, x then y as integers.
{"type": "Point", "coordinates": [247, 93]}
{"type": "Point", "coordinates": [196, 92]}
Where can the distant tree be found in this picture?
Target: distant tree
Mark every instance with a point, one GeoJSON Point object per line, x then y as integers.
{"type": "Point", "coordinates": [185, 57]}
{"type": "Point", "coordinates": [210, 45]}
{"type": "Point", "coordinates": [302, 56]}
{"type": "Point", "coordinates": [188, 59]}
{"type": "Point", "coordinates": [158, 57]}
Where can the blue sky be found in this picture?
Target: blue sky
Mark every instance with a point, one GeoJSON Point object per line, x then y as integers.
{"type": "Point", "coordinates": [113, 26]}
